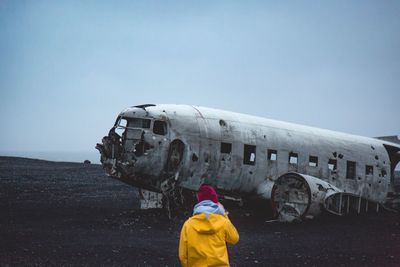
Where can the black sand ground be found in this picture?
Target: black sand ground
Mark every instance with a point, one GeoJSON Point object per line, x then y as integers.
{"type": "Point", "coordinates": [60, 214]}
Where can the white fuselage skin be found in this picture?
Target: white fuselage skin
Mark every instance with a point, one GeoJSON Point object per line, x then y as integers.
{"type": "Point", "coordinates": [268, 144]}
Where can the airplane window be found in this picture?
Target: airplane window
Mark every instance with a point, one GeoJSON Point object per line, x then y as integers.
{"type": "Point", "coordinates": [272, 154]}
{"type": "Point", "coordinates": [313, 161]}
{"type": "Point", "coordinates": [121, 125]}
{"type": "Point", "coordinates": [369, 170]}
{"type": "Point", "coordinates": [139, 123]}
{"type": "Point", "coordinates": [332, 164]}
{"type": "Point", "coordinates": [293, 157]}
{"type": "Point", "coordinates": [226, 148]}
{"type": "Point", "coordinates": [249, 157]}
{"type": "Point", "coordinates": [160, 127]}
{"type": "Point", "coordinates": [351, 170]}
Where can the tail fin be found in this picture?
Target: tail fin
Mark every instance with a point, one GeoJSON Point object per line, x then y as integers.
{"type": "Point", "coordinates": [394, 138]}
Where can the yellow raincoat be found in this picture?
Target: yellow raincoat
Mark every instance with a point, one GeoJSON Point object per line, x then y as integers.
{"type": "Point", "coordinates": [203, 240]}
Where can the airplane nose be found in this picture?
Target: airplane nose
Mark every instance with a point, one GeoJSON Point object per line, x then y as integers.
{"type": "Point", "coordinates": [110, 150]}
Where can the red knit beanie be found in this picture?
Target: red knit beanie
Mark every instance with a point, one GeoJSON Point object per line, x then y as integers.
{"type": "Point", "coordinates": [207, 192]}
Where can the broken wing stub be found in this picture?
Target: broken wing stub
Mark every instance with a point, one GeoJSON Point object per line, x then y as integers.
{"type": "Point", "coordinates": [297, 196]}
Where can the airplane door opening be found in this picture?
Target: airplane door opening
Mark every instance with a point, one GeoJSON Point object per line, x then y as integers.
{"type": "Point", "coordinates": [394, 155]}
{"type": "Point", "coordinates": [396, 178]}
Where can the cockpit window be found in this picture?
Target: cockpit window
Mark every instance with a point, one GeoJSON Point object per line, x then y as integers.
{"type": "Point", "coordinates": [138, 123]}
{"type": "Point", "coordinates": [120, 124]}
{"type": "Point", "coordinates": [123, 123]}
{"type": "Point", "coordinates": [160, 127]}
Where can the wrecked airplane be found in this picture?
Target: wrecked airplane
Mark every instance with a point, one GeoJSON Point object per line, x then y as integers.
{"type": "Point", "coordinates": [162, 149]}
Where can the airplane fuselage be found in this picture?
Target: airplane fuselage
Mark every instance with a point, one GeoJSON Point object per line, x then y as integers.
{"type": "Point", "coordinates": [167, 146]}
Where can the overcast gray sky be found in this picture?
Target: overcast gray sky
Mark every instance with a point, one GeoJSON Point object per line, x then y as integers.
{"type": "Point", "coordinates": [67, 68]}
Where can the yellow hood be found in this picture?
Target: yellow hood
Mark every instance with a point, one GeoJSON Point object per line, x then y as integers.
{"type": "Point", "coordinates": [207, 224]}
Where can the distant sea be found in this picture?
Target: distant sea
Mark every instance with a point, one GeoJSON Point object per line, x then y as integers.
{"type": "Point", "coordinates": [93, 156]}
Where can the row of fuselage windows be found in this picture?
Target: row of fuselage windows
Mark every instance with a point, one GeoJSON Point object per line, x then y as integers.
{"type": "Point", "coordinates": [249, 158]}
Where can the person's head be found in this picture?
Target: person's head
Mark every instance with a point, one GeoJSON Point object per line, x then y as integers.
{"type": "Point", "coordinates": [207, 192]}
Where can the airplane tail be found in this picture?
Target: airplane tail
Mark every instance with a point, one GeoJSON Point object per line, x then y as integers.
{"type": "Point", "coordinates": [393, 138]}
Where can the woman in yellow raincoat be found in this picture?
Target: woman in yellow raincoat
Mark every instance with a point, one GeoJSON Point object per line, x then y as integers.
{"type": "Point", "coordinates": [205, 234]}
